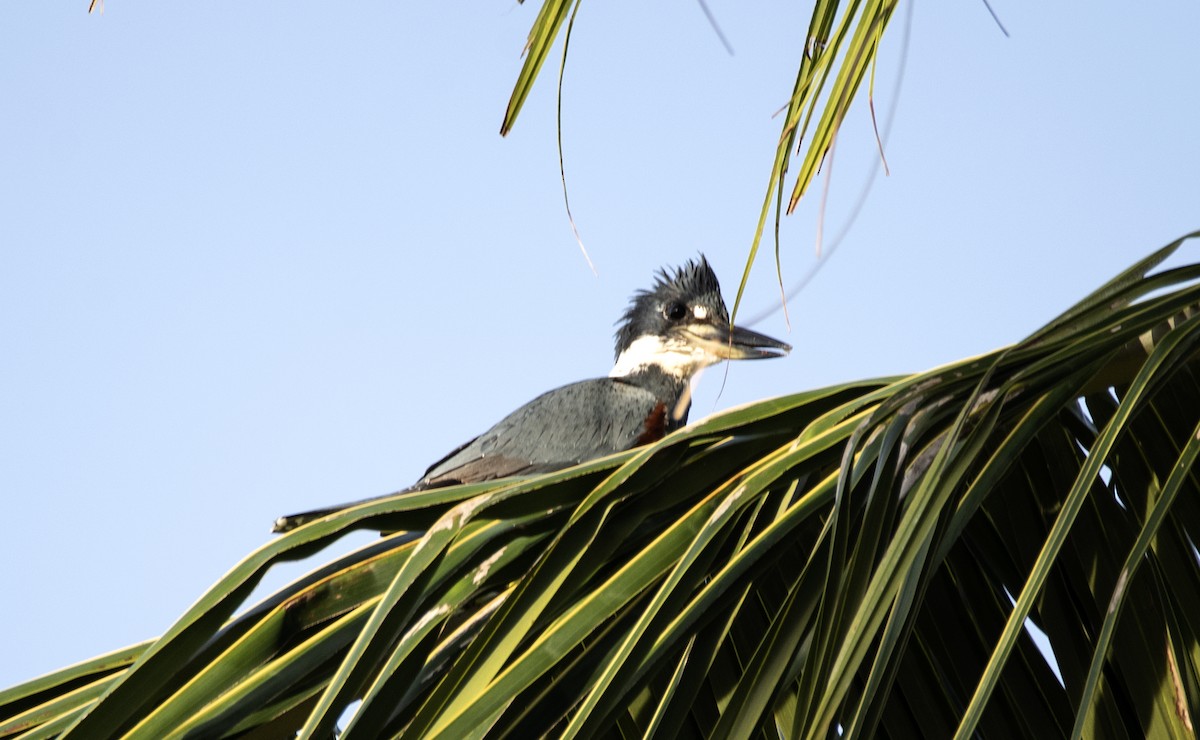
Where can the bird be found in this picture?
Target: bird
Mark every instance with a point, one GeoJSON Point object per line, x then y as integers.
{"type": "Point", "coordinates": [667, 335]}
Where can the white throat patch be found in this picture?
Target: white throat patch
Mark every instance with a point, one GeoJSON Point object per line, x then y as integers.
{"type": "Point", "coordinates": [673, 357]}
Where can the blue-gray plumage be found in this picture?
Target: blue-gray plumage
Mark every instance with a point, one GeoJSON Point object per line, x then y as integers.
{"type": "Point", "coordinates": [668, 333]}
{"type": "Point", "coordinates": [565, 426]}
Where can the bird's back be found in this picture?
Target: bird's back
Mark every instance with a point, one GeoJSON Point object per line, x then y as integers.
{"type": "Point", "coordinates": [560, 428]}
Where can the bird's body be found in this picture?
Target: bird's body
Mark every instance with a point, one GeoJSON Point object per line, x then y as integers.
{"type": "Point", "coordinates": [667, 335]}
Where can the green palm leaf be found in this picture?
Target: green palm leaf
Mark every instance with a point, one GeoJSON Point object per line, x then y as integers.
{"type": "Point", "coordinates": [841, 43]}
{"type": "Point", "coordinates": [862, 559]}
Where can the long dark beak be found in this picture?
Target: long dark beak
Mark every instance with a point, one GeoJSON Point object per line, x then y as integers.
{"type": "Point", "coordinates": [736, 343]}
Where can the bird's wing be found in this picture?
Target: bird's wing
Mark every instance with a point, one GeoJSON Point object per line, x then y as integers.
{"type": "Point", "coordinates": [563, 427]}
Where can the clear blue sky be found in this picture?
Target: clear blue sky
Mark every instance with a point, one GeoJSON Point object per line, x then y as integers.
{"type": "Point", "coordinates": [256, 258]}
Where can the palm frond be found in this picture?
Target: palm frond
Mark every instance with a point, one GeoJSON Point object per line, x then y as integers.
{"type": "Point", "coordinates": [841, 44]}
{"type": "Point", "coordinates": [861, 560]}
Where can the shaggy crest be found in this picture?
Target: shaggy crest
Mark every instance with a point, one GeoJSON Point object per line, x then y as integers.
{"type": "Point", "coordinates": [693, 282]}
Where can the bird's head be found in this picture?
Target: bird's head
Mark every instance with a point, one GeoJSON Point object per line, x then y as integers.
{"type": "Point", "coordinates": [681, 325]}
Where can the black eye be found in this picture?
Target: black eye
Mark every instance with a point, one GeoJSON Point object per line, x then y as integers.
{"type": "Point", "coordinates": [675, 311]}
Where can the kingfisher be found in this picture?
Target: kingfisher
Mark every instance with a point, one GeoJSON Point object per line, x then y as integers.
{"type": "Point", "coordinates": [666, 336]}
